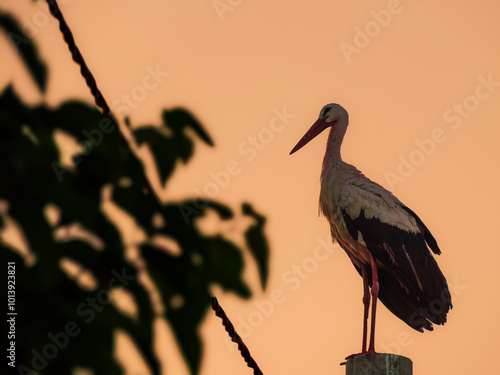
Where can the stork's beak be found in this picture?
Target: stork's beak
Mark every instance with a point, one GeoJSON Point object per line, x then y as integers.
{"type": "Point", "coordinates": [317, 128]}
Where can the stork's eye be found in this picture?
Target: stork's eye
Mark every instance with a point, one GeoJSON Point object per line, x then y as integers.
{"type": "Point", "coordinates": [327, 111]}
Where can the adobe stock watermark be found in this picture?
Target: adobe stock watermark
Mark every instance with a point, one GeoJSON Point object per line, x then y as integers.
{"type": "Point", "coordinates": [223, 6]}
{"type": "Point", "coordinates": [292, 280]}
{"type": "Point", "coordinates": [363, 36]}
{"type": "Point", "coordinates": [454, 118]}
{"type": "Point", "coordinates": [121, 106]}
{"type": "Point", "coordinates": [247, 150]}
{"type": "Point", "coordinates": [139, 93]}
{"type": "Point", "coordinates": [57, 342]}
{"type": "Point", "coordinates": [404, 338]}
{"type": "Point", "coordinates": [30, 26]}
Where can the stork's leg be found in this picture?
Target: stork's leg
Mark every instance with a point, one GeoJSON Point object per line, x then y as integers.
{"type": "Point", "coordinates": [375, 289]}
{"type": "Point", "coordinates": [366, 303]}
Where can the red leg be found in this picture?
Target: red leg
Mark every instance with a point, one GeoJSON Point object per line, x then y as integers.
{"type": "Point", "coordinates": [366, 303]}
{"type": "Point", "coordinates": [375, 289]}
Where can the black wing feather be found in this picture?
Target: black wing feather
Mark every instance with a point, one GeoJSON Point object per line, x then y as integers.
{"type": "Point", "coordinates": [429, 238]}
{"type": "Point", "coordinates": [412, 286]}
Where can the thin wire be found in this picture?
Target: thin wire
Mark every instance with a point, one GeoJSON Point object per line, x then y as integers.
{"type": "Point", "coordinates": [245, 353]}
{"type": "Point", "coordinates": [77, 56]}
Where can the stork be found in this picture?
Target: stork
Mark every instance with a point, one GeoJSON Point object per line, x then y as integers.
{"type": "Point", "coordinates": [386, 241]}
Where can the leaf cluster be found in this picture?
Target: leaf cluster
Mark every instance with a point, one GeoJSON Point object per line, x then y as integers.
{"type": "Point", "coordinates": [60, 324]}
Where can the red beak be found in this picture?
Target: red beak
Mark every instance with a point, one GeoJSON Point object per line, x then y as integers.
{"type": "Point", "coordinates": [317, 128]}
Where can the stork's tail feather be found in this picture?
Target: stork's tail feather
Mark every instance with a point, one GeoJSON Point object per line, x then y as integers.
{"type": "Point", "coordinates": [418, 310]}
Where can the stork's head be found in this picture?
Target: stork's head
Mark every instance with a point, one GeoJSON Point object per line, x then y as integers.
{"type": "Point", "coordinates": [333, 115]}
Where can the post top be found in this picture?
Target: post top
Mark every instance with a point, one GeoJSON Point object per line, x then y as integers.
{"type": "Point", "coordinates": [379, 364]}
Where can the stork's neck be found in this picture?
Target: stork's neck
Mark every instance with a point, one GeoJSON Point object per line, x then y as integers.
{"type": "Point", "coordinates": [332, 157]}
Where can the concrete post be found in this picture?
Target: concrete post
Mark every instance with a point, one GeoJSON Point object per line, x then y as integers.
{"type": "Point", "coordinates": [379, 364]}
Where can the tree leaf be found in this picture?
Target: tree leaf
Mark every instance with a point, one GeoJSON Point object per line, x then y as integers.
{"type": "Point", "coordinates": [178, 118]}
{"type": "Point", "coordinates": [169, 143]}
{"type": "Point", "coordinates": [224, 265]}
{"type": "Point", "coordinates": [26, 49]}
{"type": "Point", "coordinates": [166, 150]}
{"type": "Point", "coordinates": [257, 242]}
{"type": "Point", "coordinates": [183, 287]}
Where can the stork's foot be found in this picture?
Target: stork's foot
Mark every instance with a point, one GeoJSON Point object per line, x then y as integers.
{"type": "Point", "coordinates": [354, 355]}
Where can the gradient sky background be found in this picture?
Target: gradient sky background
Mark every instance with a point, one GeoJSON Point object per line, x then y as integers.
{"type": "Point", "coordinates": [420, 74]}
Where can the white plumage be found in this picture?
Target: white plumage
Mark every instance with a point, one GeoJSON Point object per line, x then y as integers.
{"type": "Point", "coordinates": [386, 241]}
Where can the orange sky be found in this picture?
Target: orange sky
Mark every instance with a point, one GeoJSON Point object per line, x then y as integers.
{"type": "Point", "coordinates": [421, 83]}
